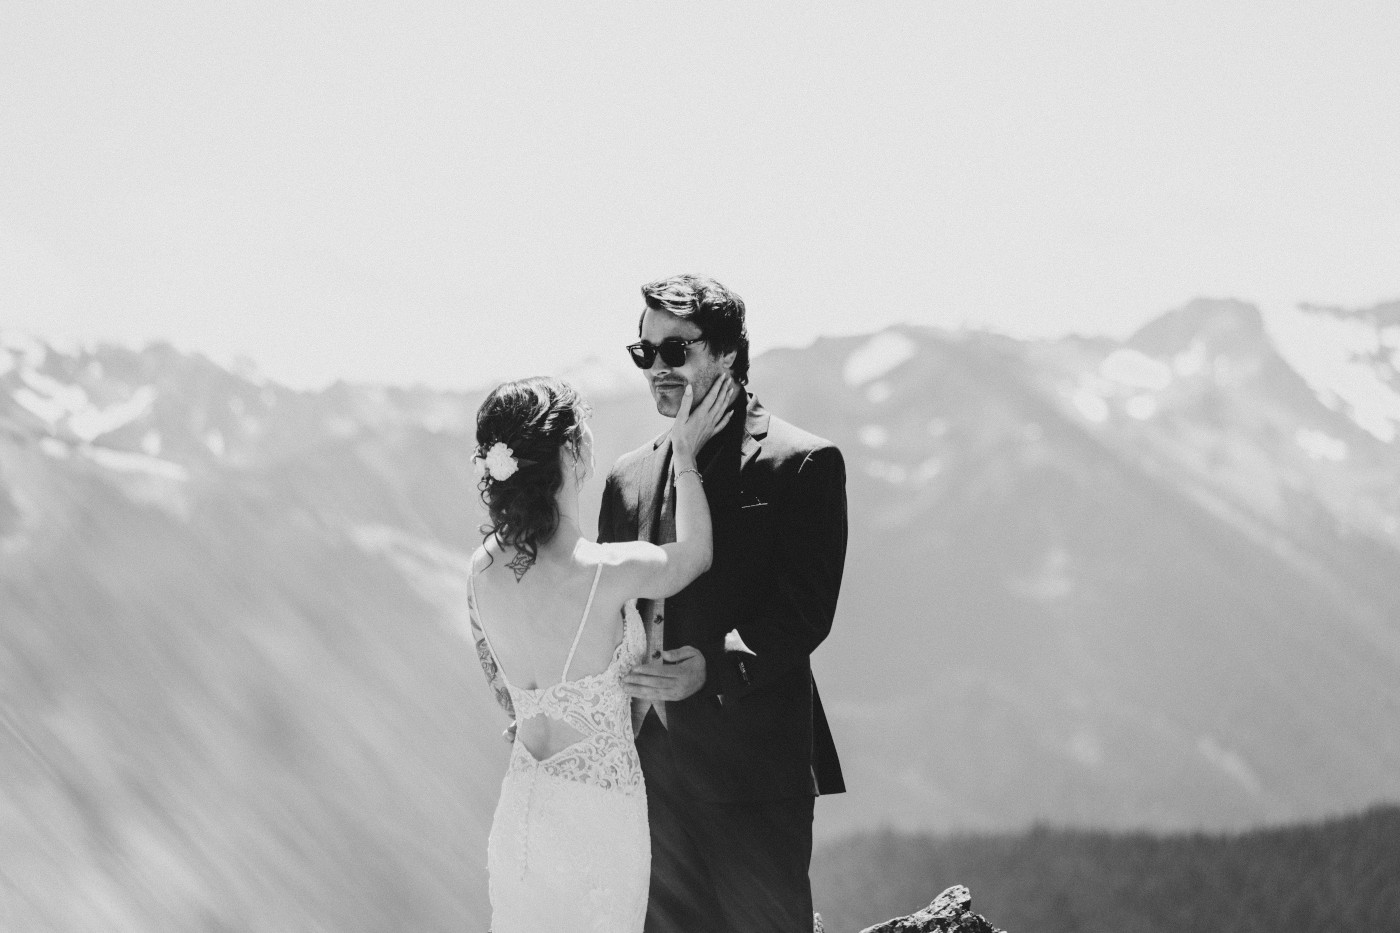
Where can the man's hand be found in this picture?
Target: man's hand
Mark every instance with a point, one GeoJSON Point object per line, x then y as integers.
{"type": "Point", "coordinates": [674, 675]}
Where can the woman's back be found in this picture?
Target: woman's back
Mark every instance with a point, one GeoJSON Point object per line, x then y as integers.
{"type": "Point", "coordinates": [561, 622]}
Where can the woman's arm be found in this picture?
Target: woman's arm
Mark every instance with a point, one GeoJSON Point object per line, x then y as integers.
{"type": "Point", "coordinates": [670, 568]}
{"type": "Point", "coordinates": [489, 667]}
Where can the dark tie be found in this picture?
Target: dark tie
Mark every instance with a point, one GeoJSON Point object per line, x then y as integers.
{"type": "Point", "coordinates": [666, 534]}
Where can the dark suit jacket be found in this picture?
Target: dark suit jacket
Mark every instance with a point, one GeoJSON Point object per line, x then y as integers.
{"type": "Point", "coordinates": [777, 497]}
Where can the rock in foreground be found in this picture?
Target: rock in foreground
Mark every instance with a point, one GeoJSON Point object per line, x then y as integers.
{"type": "Point", "coordinates": [950, 912]}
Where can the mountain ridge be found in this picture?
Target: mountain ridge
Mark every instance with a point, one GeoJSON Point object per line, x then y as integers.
{"type": "Point", "coordinates": [1120, 584]}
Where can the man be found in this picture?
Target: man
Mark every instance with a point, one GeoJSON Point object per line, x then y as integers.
{"type": "Point", "coordinates": [732, 738]}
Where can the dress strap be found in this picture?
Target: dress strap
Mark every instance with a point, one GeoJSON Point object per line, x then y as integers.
{"type": "Point", "coordinates": [481, 623]}
{"type": "Point", "coordinates": [597, 574]}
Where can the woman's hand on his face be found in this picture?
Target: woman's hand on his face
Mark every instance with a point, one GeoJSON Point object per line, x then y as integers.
{"type": "Point", "coordinates": [693, 428]}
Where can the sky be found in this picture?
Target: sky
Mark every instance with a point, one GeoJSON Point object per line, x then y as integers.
{"type": "Point", "coordinates": [451, 193]}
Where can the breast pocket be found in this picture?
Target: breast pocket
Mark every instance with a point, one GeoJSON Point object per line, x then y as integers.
{"type": "Point", "coordinates": [749, 530]}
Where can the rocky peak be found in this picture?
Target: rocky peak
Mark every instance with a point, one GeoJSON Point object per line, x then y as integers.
{"type": "Point", "coordinates": [1220, 325]}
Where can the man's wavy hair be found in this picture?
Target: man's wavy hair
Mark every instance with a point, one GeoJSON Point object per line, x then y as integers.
{"type": "Point", "coordinates": [718, 312]}
{"type": "Point", "coordinates": [535, 418]}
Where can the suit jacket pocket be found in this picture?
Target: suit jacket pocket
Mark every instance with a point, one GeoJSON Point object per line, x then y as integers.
{"type": "Point", "coordinates": [748, 531]}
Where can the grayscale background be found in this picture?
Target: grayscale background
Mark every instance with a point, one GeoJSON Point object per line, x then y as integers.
{"type": "Point", "coordinates": [1101, 301]}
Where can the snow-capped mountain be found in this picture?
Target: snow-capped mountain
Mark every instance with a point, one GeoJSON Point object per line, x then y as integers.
{"type": "Point", "coordinates": [230, 657]}
{"type": "Point", "coordinates": [1137, 583]}
{"type": "Point", "coordinates": [1147, 583]}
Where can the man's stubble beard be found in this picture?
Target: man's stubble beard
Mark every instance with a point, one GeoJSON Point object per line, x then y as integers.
{"type": "Point", "coordinates": [670, 409]}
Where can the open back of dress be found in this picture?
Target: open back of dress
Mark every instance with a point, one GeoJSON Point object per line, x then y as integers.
{"type": "Point", "coordinates": [557, 813]}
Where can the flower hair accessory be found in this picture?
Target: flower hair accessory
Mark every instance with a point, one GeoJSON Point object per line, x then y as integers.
{"type": "Point", "coordinates": [500, 463]}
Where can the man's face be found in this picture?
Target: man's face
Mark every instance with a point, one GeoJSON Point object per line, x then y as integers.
{"type": "Point", "coordinates": [700, 370]}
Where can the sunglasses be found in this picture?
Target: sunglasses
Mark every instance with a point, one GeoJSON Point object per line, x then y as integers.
{"type": "Point", "coordinates": [672, 350]}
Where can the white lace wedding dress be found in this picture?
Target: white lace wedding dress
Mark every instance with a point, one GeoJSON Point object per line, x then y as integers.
{"type": "Point", "coordinates": [569, 846]}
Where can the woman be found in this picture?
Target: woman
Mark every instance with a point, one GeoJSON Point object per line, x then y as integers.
{"type": "Point", "coordinates": [556, 621]}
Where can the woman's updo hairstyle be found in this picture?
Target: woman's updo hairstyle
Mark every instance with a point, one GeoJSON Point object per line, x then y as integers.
{"type": "Point", "coordinates": [535, 418]}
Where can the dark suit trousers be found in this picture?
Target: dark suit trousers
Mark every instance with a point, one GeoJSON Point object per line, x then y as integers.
{"type": "Point", "coordinates": [722, 867]}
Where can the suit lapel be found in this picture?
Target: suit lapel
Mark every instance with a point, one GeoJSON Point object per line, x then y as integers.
{"type": "Point", "coordinates": [748, 450]}
{"type": "Point", "coordinates": [658, 464]}
{"type": "Point", "coordinates": [755, 430]}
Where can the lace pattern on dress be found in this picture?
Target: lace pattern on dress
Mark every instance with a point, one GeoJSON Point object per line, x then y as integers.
{"type": "Point", "coordinates": [595, 706]}
{"type": "Point", "coordinates": [598, 709]}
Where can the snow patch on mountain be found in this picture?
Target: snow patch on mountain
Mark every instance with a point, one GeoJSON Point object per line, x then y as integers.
{"type": "Point", "coordinates": [31, 352]}
{"type": "Point", "coordinates": [1230, 763]}
{"type": "Point", "coordinates": [90, 422]}
{"type": "Point", "coordinates": [47, 385]}
{"type": "Point", "coordinates": [1390, 337]}
{"type": "Point", "coordinates": [1320, 445]}
{"type": "Point", "coordinates": [929, 468]}
{"type": "Point", "coordinates": [1191, 360]}
{"type": "Point", "coordinates": [60, 404]}
{"type": "Point", "coordinates": [893, 473]}
{"type": "Point", "coordinates": [1090, 405]}
{"type": "Point", "coordinates": [125, 462]}
{"type": "Point", "coordinates": [1136, 369]}
{"type": "Point", "coordinates": [46, 410]}
{"type": "Point", "coordinates": [47, 398]}
{"type": "Point", "coordinates": [898, 474]}
{"type": "Point", "coordinates": [877, 356]}
{"type": "Point", "coordinates": [1334, 355]}
{"type": "Point", "coordinates": [874, 435]}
